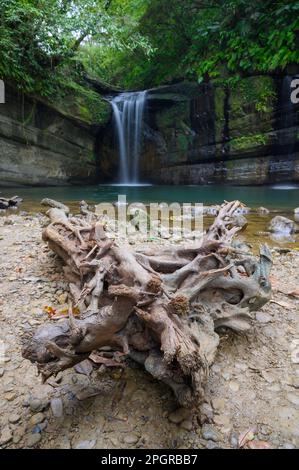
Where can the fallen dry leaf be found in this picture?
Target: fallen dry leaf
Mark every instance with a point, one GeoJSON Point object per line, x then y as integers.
{"type": "Point", "coordinates": [53, 312]}
{"type": "Point", "coordinates": [50, 311]}
{"type": "Point", "coordinates": [255, 444]}
{"type": "Point", "coordinates": [247, 436]}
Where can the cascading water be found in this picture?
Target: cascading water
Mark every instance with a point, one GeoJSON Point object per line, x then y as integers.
{"type": "Point", "coordinates": [128, 111]}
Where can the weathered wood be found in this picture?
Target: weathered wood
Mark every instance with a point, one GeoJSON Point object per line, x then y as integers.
{"type": "Point", "coordinates": [161, 307]}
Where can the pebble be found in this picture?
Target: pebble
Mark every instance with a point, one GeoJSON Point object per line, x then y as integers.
{"type": "Point", "coordinates": [5, 436]}
{"type": "Point", "coordinates": [179, 415]}
{"type": "Point", "coordinates": [85, 444]}
{"type": "Point", "coordinates": [131, 438]}
{"type": "Point", "coordinates": [1, 371]}
{"type": "Point", "coordinates": [10, 396]}
{"type": "Point", "coordinates": [187, 424]}
{"type": "Point", "coordinates": [37, 405]}
{"type": "Point", "coordinates": [17, 435]}
{"type": "Point", "coordinates": [33, 439]}
{"type": "Point", "coordinates": [288, 445]}
{"type": "Point", "coordinates": [223, 421]}
{"type": "Point", "coordinates": [209, 433]}
{"type": "Point", "coordinates": [206, 412]}
{"type": "Point", "coordinates": [36, 419]}
{"type": "Point", "coordinates": [218, 404]}
{"type": "Point", "coordinates": [263, 317]}
{"type": "Point", "coordinates": [57, 407]}
{"type": "Point", "coordinates": [211, 445]}
{"type": "Point", "coordinates": [234, 386]}
{"type": "Point", "coordinates": [234, 440]}
{"type": "Point", "coordinates": [14, 418]}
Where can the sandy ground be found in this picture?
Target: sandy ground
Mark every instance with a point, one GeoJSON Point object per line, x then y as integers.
{"type": "Point", "coordinates": [253, 384]}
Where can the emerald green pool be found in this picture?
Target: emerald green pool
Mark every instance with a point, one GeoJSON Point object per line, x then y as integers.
{"type": "Point", "coordinates": [280, 197]}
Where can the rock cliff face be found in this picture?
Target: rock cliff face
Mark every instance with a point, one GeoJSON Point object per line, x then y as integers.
{"type": "Point", "coordinates": [247, 133]}
{"type": "Point", "coordinates": [40, 145]}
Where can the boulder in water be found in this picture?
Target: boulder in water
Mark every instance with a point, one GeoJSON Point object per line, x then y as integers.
{"type": "Point", "coordinates": [240, 221]}
{"type": "Point", "coordinates": [263, 211]}
{"type": "Point", "coordinates": [282, 225]}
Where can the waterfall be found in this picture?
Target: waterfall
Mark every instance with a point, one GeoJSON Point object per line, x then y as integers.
{"type": "Point", "coordinates": [128, 112]}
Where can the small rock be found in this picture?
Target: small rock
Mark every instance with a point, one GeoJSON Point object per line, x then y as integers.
{"type": "Point", "coordinates": [263, 317]}
{"type": "Point", "coordinates": [206, 413]}
{"type": "Point", "coordinates": [17, 435]}
{"type": "Point", "coordinates": [5, 436]}
{"type": "Point", "coordinates": [85, 444]}
{"type": "Point", "coordinates": [223, 422]}
{"type": "Point", "coordinates": [263, 211]}
{"type": "Point", "coordinates": [282, 225]}
{"type": "Point", "coordinates": [267, 376]}
{"type": "Point", "coordinates": [131, 438]}
{"type": "Point", "coordinates": [234, 386]}
{"type": "Point", "coordinates": [57, 407]}
{"type": "Point", "coordinates": [33, 439]}
{"type": "Point", "coordinates": [209, 433]}
{"type": "Point", "coordinates": [288, 445]}
{"type": "Point", "coordinates": [211, 445]}
{"type": "Point", "coordinates": [179, 415]}
{"type": "Point", "coordinates": [10, 396]}
{"type": "Point", "coordinates": [1, 371]}
{"type": "Point", "coordinates": [218, 404]}
{"type": "Point", "coordinates": [37, 405]}
{"type": "Point", "coordinates": [226, 375]}
{"type": "Point", "coordinates": [36, 419]}
{"type": "Point", "coordinates": [187, 424]}
{"type": "Point", "coordinates": [14, 418]}
{"type": "Point", "coordinates": [234, 440]}
{"type": "Point", "coordinates": [239, 221]}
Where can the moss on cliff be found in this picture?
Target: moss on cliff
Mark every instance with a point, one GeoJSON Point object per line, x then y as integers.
{"type": "Point", "coordinates": [82, 103]}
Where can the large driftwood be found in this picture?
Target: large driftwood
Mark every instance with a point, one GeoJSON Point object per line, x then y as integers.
{"type": "Point", "coordinates": [161, 306]}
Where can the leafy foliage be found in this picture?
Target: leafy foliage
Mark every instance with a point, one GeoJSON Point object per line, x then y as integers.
{"type": "Point", "coordinates": [143, 43]}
